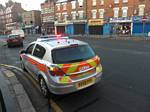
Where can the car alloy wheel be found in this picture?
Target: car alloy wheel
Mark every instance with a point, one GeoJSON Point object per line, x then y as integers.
{"type": "Point", "coordinates": [43, 87]}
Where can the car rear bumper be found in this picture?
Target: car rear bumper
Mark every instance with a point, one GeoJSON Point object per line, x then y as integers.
{"type": "Point", "coordinates": [14, 43]}
{"type": "Point", "coordinates": [65, 89]}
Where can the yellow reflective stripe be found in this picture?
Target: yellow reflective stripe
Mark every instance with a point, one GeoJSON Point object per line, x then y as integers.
{"type": "Point", "coordinates": [60, 65]}
{"type": "Point", "coordinates": [73, 68]}
{"type": "Point", "coordinates": [65, 79]}
{"type": "Point", "coordinates": [91, 62]}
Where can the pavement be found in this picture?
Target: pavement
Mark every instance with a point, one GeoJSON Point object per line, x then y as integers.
{"type": "Point", "coordinates": [125, 85]}
{"type": "Point", "coordinates": [15, 97]}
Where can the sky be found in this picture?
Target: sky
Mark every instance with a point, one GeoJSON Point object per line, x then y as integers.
{"type": "Point", "coordinates": [27, 4]}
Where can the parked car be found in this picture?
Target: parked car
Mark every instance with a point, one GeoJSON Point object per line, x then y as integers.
{"type": "Point", "coordinates": [19, 32]}
{"type": "Point", "coordinates": [61, 66]}
{"type": "Point", "coordinates": [14, 40]}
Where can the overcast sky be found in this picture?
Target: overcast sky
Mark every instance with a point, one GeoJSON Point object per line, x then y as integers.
{"type": "Point", "coordinates": [27, 4]}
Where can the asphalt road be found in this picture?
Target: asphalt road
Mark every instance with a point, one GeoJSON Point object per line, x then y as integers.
{"type": "Point", "coordinates": [125, 84]}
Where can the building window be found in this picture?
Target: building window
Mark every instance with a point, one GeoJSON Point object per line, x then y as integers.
{"type": "Point", "coordinates": [125, 1]}
{"type": "Point", "coordinates": [73, 4]}
{"type": "Point", "coordinates": [58, 16]}
{"type": "Point", "coordinates": [116, 1]}
{"type": "Point", "coordinates": [94, 12]}
{"type": "Point", "coordinates": [81, 15]}
{"type": "Point", "coordinates": [80, 3]}
{"type": "Point", "coordinates": [101, 2]}
{"type": "Point", "coordinates": [64, 6]}
{"type": "Point", "coordinates": [124, 11]}
{"type": "Point", "coordinates": [65, 16]}
{"type": "Point", "coordinates": [101, 13]}
{"type": "Point", "coordinates": [116, 12]}
{"type": "Point", "coordinates": [141, 10]}
{"type": "Point", "coordinates": [58, 6]}
{"type": "Point", "coordinates": [94, 2]}
{"type": "Point", "coordinates": [73, 15]}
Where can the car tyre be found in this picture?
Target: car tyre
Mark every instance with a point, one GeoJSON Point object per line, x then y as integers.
{"type": "Point", "coordinates": [8, 45]}
{"type": "Point", "coordinates": [44, 88]}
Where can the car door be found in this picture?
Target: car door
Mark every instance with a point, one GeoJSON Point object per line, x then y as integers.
{"type": "Point", "coordinates": [38, 55]}
{"type": "Point", "coordinates": [28, 57]}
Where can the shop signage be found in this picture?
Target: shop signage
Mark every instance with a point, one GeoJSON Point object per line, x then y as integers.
{"type": "Point", "coordinates": [120, 20]}
{"type": "Point", "coordinates": [144, 19]}
{"type": "Point", "coordinates": [137, 19]}
{"type": "Point", "coordinates": [95, 22]}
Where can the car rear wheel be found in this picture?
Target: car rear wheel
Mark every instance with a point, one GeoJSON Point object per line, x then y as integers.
{"type": "Point", "coordinates": [44, 88]}
{"type": "Point", "coordinates": [8, 45]}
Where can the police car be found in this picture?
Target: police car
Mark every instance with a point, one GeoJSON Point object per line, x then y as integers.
{"type": "Point", "coordinates": [61, 65]}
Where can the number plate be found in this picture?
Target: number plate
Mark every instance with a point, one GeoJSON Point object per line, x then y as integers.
{"type": "Point", "coordinates": [85, 83]}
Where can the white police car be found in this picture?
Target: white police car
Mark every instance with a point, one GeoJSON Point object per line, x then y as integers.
{"type": "Point", "coordinates": [61, 65]}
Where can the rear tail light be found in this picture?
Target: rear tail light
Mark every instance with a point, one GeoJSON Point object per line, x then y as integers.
{"type": "Point", "coordinates": [56, 71]}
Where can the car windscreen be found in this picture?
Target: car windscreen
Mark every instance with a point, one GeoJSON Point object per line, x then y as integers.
{"type": "Point", "coordinates": [72, 54]}
{"type": "Point", "coordinates": [13, 36]}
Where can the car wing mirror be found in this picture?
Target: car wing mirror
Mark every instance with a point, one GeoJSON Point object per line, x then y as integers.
{"type": "Point", "coordinates": [22, 51]}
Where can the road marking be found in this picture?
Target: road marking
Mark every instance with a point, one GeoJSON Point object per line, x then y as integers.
{"type": "Point", "coordinates": [9, 73]}
{"type": "Point", "coordinates": [54, 106]}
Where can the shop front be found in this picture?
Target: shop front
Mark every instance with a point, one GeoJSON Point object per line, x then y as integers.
{"type": "Point", "coordinates": [76, 27]}
{"type": "Point", "coordinates": [141, 26]}
{"type": "Point", "coordinates": [95, 26]}
{"type": "Point", "coordinates": [120, 26]}
{"type": "Point", "coordinates": [48, 28]}
{"type": "Point", "coordinates": [60, 27]}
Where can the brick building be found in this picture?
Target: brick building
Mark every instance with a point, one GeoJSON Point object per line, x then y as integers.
{"type": "Point", "coordinates": [48, 17]}
{"type": "Point", "coordinates": [70, 16]}
{"type": "Point", "coordinates": [32, 21]}
{"type": "Point", "coordinates": [13, 16]}
{"type": "Point", "coordinates": [2, 20]}
{"type": "Point", "coordinates": [102, 17]}
{"type": "Point", "coordinates": [115, 16]}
